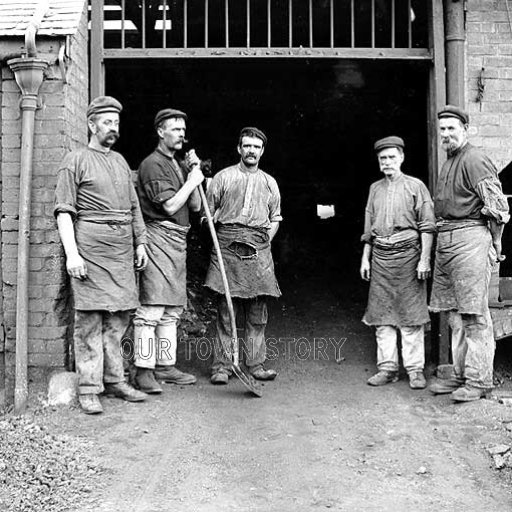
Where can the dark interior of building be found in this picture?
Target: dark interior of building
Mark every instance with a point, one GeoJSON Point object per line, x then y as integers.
{"type": "Point", "coordinates": [321, 118]}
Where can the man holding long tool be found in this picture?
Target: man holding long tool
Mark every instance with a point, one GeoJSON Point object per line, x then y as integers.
{"type": "Point", "coordinates": [167, 191]}
{"type": "Point", "coordinates": [246, 206]}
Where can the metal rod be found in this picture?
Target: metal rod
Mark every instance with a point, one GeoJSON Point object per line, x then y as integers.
{"type": "Point", "coordinates": [185, 24]}
{"type": "Point", "coordinates": [248, 21]}
{"type": "Point", "coordinates": [331, 19]}
{"type": "Point", "coordinates": [409, 24]}
{"type": "Point", "coordinates": [226, 22]}
{"type": "Point", "coordinates": [164, 25]}
{"type": "Point", "coordinates": [206, 10]}
{"type": "Point", "coordinates": [393, 27]}
{"type": "Point", "coordinates": [123, 15]}
{"type": "Point", "coordinates": [373, 23]}
{"type": "Point", "coordinates": [310, 12]}
{"type": "Point", "coordinates": [269, 23]}
{"type": "Point", "coordinates": [290, 23]}
{"type": "Point", "coordinates": [352, 25]}
{"type": "Point", "coordinates": [143, 23]}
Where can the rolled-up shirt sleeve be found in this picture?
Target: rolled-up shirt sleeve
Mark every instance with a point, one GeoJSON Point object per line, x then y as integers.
{"type": "Point", "coordinates": [425, 211]}
{"type": "Point", "coordinates": [138, 226]}
{"type": "Point", "coordinates": [65, 192]}
{"type": "Point", "coordinates": [495, 203]}
{"type": "Point", "coordinates": [366, 237]}
{"type": "Point", "coordinates": [274, 203]}
{"type": "Point", "coordinates": [158, 184]}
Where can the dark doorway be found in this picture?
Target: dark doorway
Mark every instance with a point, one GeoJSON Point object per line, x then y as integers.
{"type": "Point", "coordinates": [321, 117]}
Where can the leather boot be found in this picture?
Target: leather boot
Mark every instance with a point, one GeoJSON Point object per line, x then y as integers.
{"type": "Point", "coordinates": [145, 381]}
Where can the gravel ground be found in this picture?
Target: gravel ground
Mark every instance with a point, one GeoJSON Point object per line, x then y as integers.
{"type": "Point", "coordinates": [43, 471]}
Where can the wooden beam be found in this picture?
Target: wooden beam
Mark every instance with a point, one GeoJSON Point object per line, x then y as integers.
{"type": "Point", "coordinates": [418, 54]}
{"type": "Point", "coordinates": [96, 56]}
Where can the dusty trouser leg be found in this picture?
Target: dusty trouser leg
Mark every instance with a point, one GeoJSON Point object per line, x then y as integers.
{"type": "Point", "coordinates": [480, 342]}
{"type": "Point", "coordinates": [387, 352]}
{"type": "Point", "coordinates": [88, 347]}
{"type": "Point", "coordinates": [167, 336]}
{"type": "Point", "coordinates": [256, 316]}
{"type": "Point", "coordinates": [144, 327]}
{"type": "Point", "coordinates": [459, 345]}
{"type": "Point", "coordinates": [413, 347]}
{"type": "Point", "coordinates": [114, 326]}
{"type": "Point", "coordinates": [223, 342]}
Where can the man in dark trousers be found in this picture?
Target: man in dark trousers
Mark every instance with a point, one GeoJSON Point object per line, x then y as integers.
{"type": "Point", "coordinates": [398, 234]}
{"type": "Point", "coordinates": [246, 205]}
{"type": "Point", "coordinates": [167, 189]}
{"type": "Point", "coordinates": [102, 231]}
{"type": "Point", "coordinates": [471, 212]}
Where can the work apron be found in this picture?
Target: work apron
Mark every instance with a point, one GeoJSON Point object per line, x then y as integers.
{"type": "Point", "coordinates": [105, 242]}
{"type": "Point", "coordinates": [248, 261]}
{"type": "Point", "coordinates": [164, 281]}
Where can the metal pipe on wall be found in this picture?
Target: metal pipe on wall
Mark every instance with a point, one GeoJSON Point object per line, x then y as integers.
{"type": "Point", "coordinates": [455, 37]}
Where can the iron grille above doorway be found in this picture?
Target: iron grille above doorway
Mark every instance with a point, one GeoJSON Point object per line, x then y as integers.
{"type": "Point", "coordinates": [160, 28]}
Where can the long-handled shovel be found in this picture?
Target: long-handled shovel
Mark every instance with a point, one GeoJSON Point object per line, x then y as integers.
{"type": "Point", "coordinates": [246, 378]}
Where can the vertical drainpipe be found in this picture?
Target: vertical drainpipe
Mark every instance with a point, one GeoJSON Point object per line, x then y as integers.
{"type": "Point", "coordinates": [455, 39]}
{"type": "Point", "coordinates": [29, 74]}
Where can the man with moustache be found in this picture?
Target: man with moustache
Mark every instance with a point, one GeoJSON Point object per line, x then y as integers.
{"type": "Point", "coordinates": [471, 212]}
{"type": "Point", "coordinates": [167, 188]}
{"type": "Point", "coordinates": [398, 235]}
{"type": "Point", "coordinates": [246, 206]}
{"type": "Point", "coordinates": [102, 231]}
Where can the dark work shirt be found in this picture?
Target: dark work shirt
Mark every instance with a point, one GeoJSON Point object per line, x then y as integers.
{"type": "Point", "coordinates": [92, 182]}
{"type": "Point", "coordinates": [469, 188]}
{"type": "Point", "coordinates": [160, 177]}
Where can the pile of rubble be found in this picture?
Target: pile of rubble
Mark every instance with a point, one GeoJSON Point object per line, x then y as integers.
{"type": "Point", "coordinates": [41, 471]}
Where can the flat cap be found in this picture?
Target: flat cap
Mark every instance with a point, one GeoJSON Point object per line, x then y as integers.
{"type": "Point", "coordinates": [103, 104]}
{"type": "Point", "coordinates": [167, 113]}
{"type": "Point", "coordinates": [389, 142]}
{"type": "Point", "coordinates": [453, 111]}
{"type": "Point", "coordinates": [251, 131]}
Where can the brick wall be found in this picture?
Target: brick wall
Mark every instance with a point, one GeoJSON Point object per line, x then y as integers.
{"type": "Point", "coordinates": [489, 46]}
{"type": "Point", "coordinates": [59, 127]}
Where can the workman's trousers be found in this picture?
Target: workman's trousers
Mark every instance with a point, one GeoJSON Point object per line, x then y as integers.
{"type": "Point", "coordinates": [253, 344]}
{"type": "Point", "coordinates": [156, 335]}
{"type": "Point", "coordinates": [97, 343]}
{"type": "Point", "coordinates": [473, 348]}
{"type": "Point", "coordinates": [413, 347]}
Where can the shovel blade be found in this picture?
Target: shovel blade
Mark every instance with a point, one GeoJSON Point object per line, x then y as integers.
{"type": "Point", "coordinates": [248, 381]}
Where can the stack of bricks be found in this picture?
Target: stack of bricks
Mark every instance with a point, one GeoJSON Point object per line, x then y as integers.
{"type": "Point", "coordinates": [60, 126]}
{"type": "Point", "coordinates": [489, 58]}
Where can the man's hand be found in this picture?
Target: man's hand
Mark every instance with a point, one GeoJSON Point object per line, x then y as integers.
{"type": "Point", "coordinates": [76, 267]}
{"type": "Point", "coordinates": [497, 247]}
{"type": "Point", "coordinates": [141, 257]}
{"type": "Point", "coordinates": [423, 269]}
{"type": "Point", "coordinates": [365, 269]}
{"type": "Point", "coordinates": [195, 176]}
{"type": "Point", "coordinates": [191, 159]}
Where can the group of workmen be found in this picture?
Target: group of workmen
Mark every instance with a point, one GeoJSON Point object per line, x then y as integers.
{"type": "Point", "coordinates": [467, 217]}
{"type": "Point", "coordinates": [126, 250]}
{"type": "Point", "coordinates": [111, 231]}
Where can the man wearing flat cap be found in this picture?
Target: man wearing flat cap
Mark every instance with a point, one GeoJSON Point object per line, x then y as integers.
{"type": "Point", "coordinates": [246, 206]}
{"type": "Point", "coordinates": [102, 231]}
{"type": "Point", "coordinates": [471, 211]}
{"type": "Point", "coordinates": [398, 234]}
{"type": "Point", "coordinates": [167, 188]}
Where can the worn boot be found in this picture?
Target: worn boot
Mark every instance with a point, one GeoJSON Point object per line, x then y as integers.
{"type": "Point", "coordinates": [125, 391]}
{"type": "Point", "coordinates": [445, 386]}
{"type": "Point", "coordinates": [417, 380]}
{"type": "Point", "coordinates": [90, 403]}
{"type": "Point", "coordinates": [171, 375]}
{"type": "Point", "coordinates": [146, 382]}
{"type": "Point", "coordinates": [383, 377]}
{"type": "Point", "coordinates": [469, 393]}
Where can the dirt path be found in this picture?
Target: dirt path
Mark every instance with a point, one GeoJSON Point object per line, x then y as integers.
{"type": "Point", "coordinates": [319, 439]}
